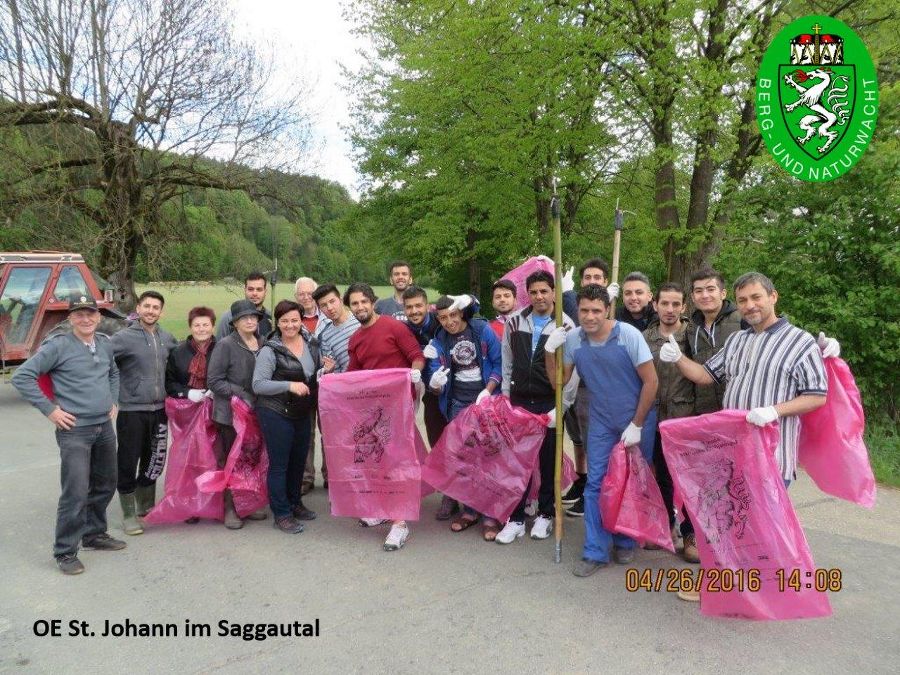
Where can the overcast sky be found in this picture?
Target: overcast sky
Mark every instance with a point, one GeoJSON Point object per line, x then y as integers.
{"type": "Point", "coordinates": [311, 38]}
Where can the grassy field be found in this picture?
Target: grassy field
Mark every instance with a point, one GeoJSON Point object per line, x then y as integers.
{"type": "Point", "coordinates": [181, 297]}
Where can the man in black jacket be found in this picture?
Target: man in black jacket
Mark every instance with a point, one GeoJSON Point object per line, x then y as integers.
{"type": "Point", "coordinates": [713, 321]}
{"type": "Point", "coordinates": [636, 308]}
{"type": "Point", "coordinates": [527, 384]}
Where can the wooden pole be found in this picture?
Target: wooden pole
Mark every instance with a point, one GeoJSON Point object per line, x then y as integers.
{"type": "Point", "coordinates": [557, 473]}
{"type": "Point", "coordinates": [617, 244]}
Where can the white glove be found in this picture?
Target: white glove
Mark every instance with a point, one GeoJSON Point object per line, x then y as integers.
{"type": "Point", "coordinates": [552, 415]}
{"type": "Point", "coordinates": [209, 393]}
{"type": "Point", "coordinates": [670, 352]}
{"type": "Point", "coordinates": [567, 283]}
{"type": "Point", "coordinates": [460, 302]}
{"type": "Point", "coordinates": [556, 339]}
{"type": "Point", "coordinates": [415, 375]}
{"type": "Point", "coordinates": [439, 378]}
{"type": "Point", "coordinates": [196, 395]}
{"type": "Point", "coordinates": [762, 416]}
{"type": "Point", "coordinates": [430, 351]}
{"type": "Point", "coordinates": [613, 291]}
{"type": "Point", "coordinates": [830, 347]}
{"type": "Point", "coordinates": [631, 435]}
{"type": "Point", "coordinates": [483, 395]}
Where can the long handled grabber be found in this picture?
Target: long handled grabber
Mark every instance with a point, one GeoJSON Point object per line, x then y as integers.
{"type": "Point", "coordinates": [557, 473]}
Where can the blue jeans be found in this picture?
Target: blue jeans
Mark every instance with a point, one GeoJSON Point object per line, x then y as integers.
{"type": "Point", "coordinates": [87, 475]}
{"type": "Point", "coordinates": [600, 442]}
{"type": "Point", "coordinates": [287, 443]}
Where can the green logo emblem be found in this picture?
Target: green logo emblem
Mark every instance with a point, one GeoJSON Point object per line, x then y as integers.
{"type": "Point", "coordinates": [816, 98]}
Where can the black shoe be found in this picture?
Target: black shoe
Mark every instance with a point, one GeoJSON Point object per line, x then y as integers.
{"type": "Point", "coordinates": [449, 507]}
{"type": "Point", "coordinates": [576, 491]}
{"type": "Point", "coordinates": [577, 509]}
{"type": "Point", "coordinates": [289, 524]}
{"type": "Point", "coordinates": [102, 542]}
{"type": "Point", "coordinates": [623, 556]}
{"type": "Point", "coordinates": [69, 563]}
{"type": "Point", "coordinates": [193, 520]}
{"type": "Point", "coordinates": [302, 513]}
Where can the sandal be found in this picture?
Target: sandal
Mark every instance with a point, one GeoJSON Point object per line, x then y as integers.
{"type": "Point", "coordinates": [490, 529]}
{"type": "Point", "coordinates": [464, 522]}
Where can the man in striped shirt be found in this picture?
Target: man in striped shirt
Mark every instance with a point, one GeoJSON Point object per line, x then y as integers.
{"type": "Point", "coordinates": [336, 335]}
{"type": "Point", "coordinates": [336, 325]}
{"type": "Point", "coordinates": [772, 369]}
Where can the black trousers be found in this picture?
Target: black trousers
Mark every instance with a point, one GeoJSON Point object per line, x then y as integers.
{"type": "Point", "coordinates": [667, 487]}
{"type": "Point", "coordinates": [143, 437]}
{"type": "Point", "coordinates": [225, 437]}
{"type": "Point", "coordinates": [546, 462]}
{"type": "Point", "coordinates": [434, 418]}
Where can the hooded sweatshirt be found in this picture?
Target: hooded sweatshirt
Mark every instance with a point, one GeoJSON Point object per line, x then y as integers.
{"type": "Point", "coordinates": [703, 345]}
{"type": "Point", "coordinates": [142, 357]}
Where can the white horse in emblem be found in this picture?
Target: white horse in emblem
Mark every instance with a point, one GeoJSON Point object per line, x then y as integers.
{"type": "Point", "coordinates": [811, 98]}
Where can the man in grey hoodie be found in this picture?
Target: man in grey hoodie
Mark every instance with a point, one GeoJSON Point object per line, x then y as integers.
{"type": "Point", "coordinates": [142, 350]}
{"type": "Point", "coordinates": [85, 387]}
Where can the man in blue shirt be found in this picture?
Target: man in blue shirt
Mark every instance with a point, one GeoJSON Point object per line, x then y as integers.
{"type": "Point", "coordinates": [615, 364]}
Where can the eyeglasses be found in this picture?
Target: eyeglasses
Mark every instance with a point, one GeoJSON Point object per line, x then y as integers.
{"type": "Point", "coordinates": [93, 348]}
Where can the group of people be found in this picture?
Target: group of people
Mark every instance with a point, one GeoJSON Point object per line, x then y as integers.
{"type": "Point", "coordinates": [624, 372]}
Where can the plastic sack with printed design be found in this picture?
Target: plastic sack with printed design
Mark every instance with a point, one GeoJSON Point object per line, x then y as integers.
{"type": "Point", "coordinates": [748, 535]}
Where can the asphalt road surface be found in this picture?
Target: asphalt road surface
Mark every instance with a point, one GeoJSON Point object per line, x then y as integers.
{"type": "Point", "coordinates": [445, 603]}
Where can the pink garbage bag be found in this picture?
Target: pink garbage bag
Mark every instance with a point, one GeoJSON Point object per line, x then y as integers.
{"type": "Point", "coordinates": [191, 454]}
{"type": "Point", "coordinates": [831, 447]}
{"type": "Point", "coordinates": [634, 506]}
{"type": "Point", "coordinates": [612, 489]}
{"type": "Point", "coordinates": [726, 476]}
{"type": "Point", "coordinates": [247, 466]}
{"type": "Point", "coordinates": [485, 456]}
{"type": "Point", "coordinates": [520, 273]}
{"type": "Point", "coordinates": [369, 436]}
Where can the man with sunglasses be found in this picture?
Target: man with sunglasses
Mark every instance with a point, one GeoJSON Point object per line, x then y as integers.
{"type": "Point", "coordinates": [85, 387]}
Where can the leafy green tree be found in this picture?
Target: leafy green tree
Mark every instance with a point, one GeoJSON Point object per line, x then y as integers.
{"type": "Point", "coordinates": [136, 95]}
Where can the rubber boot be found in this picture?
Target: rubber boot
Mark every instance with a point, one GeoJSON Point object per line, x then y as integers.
{"type": "Point", "coordinates": [232, 520]}
{"type": "Point", "coordinates": [145, 498]}
{"type": "Point", "coordinates": [130, 523]}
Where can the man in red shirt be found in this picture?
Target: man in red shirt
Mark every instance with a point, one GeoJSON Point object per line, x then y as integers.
{"type": "Point", "coordinates": [381, 342]}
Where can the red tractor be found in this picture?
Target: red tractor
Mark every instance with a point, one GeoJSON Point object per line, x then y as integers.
{"type": "Point", "coordinates": [35, 288]}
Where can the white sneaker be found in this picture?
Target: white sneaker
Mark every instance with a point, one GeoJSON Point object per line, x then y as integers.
{"type": "Point", "coordinates": [396, 537]}
{"type": "Point", "coordinates": [371, 522]}
{"type": "Point", "coordinates": [510, 532]}
{"type": "Point", "coordinates": [531, 508]}
{"type": "Point", "coordinates": [542, 527]}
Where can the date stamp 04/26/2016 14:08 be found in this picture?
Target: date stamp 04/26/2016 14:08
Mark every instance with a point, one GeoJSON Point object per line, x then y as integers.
{"type": "Point", "coordinates": [725, 580]}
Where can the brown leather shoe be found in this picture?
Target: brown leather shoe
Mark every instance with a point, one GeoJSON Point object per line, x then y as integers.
{"type": "Point", "coordinates": [690, 553]}
{"type": "Point", "coordinates": [259, 514]}
{"type": "Point", "coordinates": [232, 520]}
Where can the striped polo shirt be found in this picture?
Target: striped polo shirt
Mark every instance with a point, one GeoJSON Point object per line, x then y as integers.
{"type": "Point", "coordinates": [767, 368]}
{"type": "Point", "coordinates": [334, 340]}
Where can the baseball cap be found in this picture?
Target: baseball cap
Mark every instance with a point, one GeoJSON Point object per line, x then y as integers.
{"type": "Point", "coordinates": [82, 302]}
